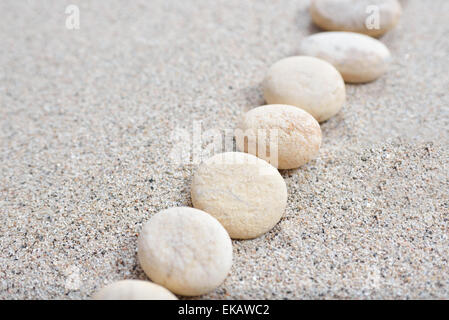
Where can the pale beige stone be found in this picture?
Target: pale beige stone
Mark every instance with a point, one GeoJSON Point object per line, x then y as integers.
{"type": "Point", "coordinates": [309, 83]}
{"type": "Point", "coordinates": [356, 15]}
{"type": "Point", "coordinates": [133, 290]}
{"type": "Point", "coordinates": [246, 194]}
{"type": "Point", "coordinates": [286, 131]}
{"type": "Point", "coordinates": [359, 58]}
{"type": "Point", "coordinates": [185, 250]}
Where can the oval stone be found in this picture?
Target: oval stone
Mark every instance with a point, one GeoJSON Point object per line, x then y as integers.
{"type": "Point", "coordinates": [359, 58]}
{"type": "Point", "coordinates": [309, 83]}
{"type": "Point", "coordinates": [246, 194]}
{"type": "Point", "coordinates": [133, 290]}
{"type": "Point", "coordinates": [371, 17]}
{"type": "Point", "coordinates": [292, 136]}
{"type": "Point", "coordinates": [185, 250]}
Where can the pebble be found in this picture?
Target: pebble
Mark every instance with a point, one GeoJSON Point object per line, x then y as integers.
{"type": "Point", "coordinates": [133, 290]}
{"type": "Point", "coordinates": [309, 83]}
{"type": "Point", "coordinates": [298, 135]}
{"type": "Point", "coordinates": [246, 194]}
{"type": "Point", "coordinates": [371, 17]}
{"type": "Point", "coordinates": [359, 58]}
{"type": "Point", "coordinates": [185, 250]}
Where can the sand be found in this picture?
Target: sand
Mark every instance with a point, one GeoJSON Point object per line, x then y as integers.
{"type": "Point", "coordinates": [86, 123]}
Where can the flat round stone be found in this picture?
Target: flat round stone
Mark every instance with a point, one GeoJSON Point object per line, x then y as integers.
{"type": "Point", "coordinates": [246, 194]}
{"type": "Point", "coordinates": [309, 83]}
{"type": "Point", "coordinates": [286, 131]}
{"type": "Point", "coordinates": [371, 17]}
{"type": "Point", "coordinates": [133, 290]}
{"type": "Point", "coordinates": [359, 58]}
{"type": "Point", "coordinates": [185, 250]}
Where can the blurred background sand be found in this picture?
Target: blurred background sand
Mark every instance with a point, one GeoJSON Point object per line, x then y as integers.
{"type": "Point", "coordinates": [86, 124]}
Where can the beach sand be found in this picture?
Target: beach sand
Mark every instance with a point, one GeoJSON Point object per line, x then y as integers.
{"type": "Point", "coordinates": [87, 123]}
